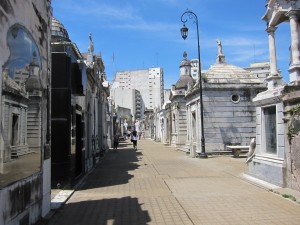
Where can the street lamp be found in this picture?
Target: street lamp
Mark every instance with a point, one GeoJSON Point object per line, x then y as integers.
{"type": "Point", "coordinates": [184, 33]}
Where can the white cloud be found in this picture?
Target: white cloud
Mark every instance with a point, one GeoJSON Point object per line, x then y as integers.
{"type": "Point", "coordinates": [242, 41]}
{"type": "Point", "coordinates": [94, 9]}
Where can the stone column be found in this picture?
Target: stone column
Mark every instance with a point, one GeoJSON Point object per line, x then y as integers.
{"type": "Point", "coordinates": [294, 69]}
{"type": "Point", "coordinates": [274, 79]}
{"type": "Point", "coordinates": [272, 50]}
{"type": "Point", "coordinates": [190, 127]}
{"type": "Point", "coordinates": [294, 37]}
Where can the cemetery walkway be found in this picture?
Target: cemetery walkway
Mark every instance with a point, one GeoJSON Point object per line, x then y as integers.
{"type": "Point", "coordinates": [161, 185]}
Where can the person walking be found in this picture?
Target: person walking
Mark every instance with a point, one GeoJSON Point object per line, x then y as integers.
{"type": "Point", "coordinates": [134, 138]}
{"type": "Point", "coordinates": [116, 141]}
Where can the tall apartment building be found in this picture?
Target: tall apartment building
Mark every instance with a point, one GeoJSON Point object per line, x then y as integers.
{"type": "Point", "coordinates": [148, 82]}
{"type": "Point", "coordinates": [128, 98]}
{"type": "Point", "coordinates": [260, 69]}
{"type": "Point", "coordinates": [194, 68]}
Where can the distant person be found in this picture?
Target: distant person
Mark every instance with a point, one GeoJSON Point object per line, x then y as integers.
{"type": "Point", "coordinates": [116, 141]}
{"type": "Point", "coordinates": [143, 133]}
{"type": "Point", "coordinates": [134, 138]}
{"type": "Point", "coordinates": [128, 135]}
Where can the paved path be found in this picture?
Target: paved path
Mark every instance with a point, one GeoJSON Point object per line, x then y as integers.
{"type": "Point", "coordinates": [159, 185]}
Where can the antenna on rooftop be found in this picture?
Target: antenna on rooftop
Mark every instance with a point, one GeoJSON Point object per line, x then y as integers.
{"type": "Point", "coordinates": [254, 53]}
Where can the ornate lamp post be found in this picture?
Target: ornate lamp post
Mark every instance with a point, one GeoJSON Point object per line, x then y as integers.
{"type": "Point", "coordinates": [184, 33]}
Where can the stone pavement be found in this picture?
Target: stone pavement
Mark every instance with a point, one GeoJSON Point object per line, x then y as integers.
{"type": "Point", "coordinates": [159, 185]}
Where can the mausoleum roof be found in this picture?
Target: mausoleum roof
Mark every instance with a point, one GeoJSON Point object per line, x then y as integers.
{"type": "Point", "coordinates": [58, 31]}
{"type": "Point", "coordinates": [227, 73]}
{"type": "Point", "coordinates": [185, 78]}
{"type": "Point", "coordinates": [185, 62]}
{"type": "Point", "coordinates": [184, 81]}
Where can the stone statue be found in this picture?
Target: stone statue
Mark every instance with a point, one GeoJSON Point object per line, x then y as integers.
{"type": "Point", "coordinates": [251, 152]}
{"type": "Point", "coordinates": [220, 56]}
{"type": "Point", "coordinates": [91, 46]}
{"type": "Point", "coordinates": [220, 51]}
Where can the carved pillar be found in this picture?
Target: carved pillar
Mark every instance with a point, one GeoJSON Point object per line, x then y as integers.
{"type": "Point", "coordinates": [295, 51]}
{"type": "Point", "coordinates": [272, 50]}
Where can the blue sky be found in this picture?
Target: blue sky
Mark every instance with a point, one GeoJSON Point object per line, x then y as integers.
{"type": "Point", "coordinates": [138, 34]}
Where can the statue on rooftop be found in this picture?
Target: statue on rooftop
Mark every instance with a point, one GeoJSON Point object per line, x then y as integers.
{"type": "Point", "coordinates": [91, 46]}
{"type": "Point", "coordinates": [220, 56]}
{"type": "Point", "coordinates": [220, 50]}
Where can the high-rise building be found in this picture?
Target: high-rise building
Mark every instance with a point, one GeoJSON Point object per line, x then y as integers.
{"type": "Point", "coordinates": [194, 68]}
{"type": "Point", "coordinates": [260, 69]}
{"type": "Point", "coordinates": [148, 82]}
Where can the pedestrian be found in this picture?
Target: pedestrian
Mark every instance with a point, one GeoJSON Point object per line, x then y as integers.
{"type": "Point", "coordinates": [128, 135]}
{"type": "Point", "coordinates": [143, 133]}
{"type": "Point", "coordinates": [116, 141]}
{"type": "Point", "coordinates": [134, 138]}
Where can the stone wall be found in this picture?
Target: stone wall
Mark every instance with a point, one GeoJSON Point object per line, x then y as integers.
{"type": "Point", "coordinates": [228, 122]}
{"type": "Point", "coordinates": [295, 163]}
{"type": "Point", "coordinates": [292, 148]}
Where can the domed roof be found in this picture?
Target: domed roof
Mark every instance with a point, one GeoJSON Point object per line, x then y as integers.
{"type": "Point", "coordinates": [58, 31]}
{"type": "Point", "coordinates": [184, 81]}
{"type": "Point", "coordinates": [33, 83]}
{"type": "Point", "coordinates": [224, 73]}
{"type": "Point", "coordinates": [185, 61]}
{"type": "Point", "coordinates": [185, 78]}
{"type": "Point", "coordinates": [227, 73]}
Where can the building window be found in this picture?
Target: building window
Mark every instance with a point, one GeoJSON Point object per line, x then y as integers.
{"type": "Point", "coordinates": [235, 98]}
{"type": "Point", "coordinates": [20, 127]}
{"type": "Point", "coordinates": [270, 131]}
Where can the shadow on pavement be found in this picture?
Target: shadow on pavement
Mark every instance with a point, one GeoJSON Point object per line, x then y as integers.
{"type": "Point", "coordinates": [105, 209]}
{"type": "Point", "coordinates": [114, 168]}
{"type": "Point", "coordinates": [114, 211]}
